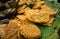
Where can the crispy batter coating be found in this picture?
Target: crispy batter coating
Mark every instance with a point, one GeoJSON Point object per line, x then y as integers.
{"type": "Point", "coordinates": [14, 23]}
{"type": "Point", "coordinates": [37, 15]}
{"type": "Point", "coordinates": [50, 22]}
{"type": "Point", "coordinates": [21, 17]}
{"type": "Point", "coordinates": [14, 29]}
{"type": "Point", "coordinates": [29, 30]}
{"type": "Point", "coordinates": [49, 10]}
{"type": "Point", "coordinates": [38, 4]}
{"type": "Point", "coordinates": [2, 29]}
{"type": "Point", "coordinates": [11, 30]}
{"type": "Point", "coordinates": [21, 2]}
{"type": "Point", "coordinates": [22, 10]}
{"type": "Point", "coordinates": [26, 29]}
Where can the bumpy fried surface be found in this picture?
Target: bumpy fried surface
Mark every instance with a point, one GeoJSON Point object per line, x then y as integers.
{"type": "Point", "coordinates": [29, 30]}
{"type": "Point", "coordinates": [37, 15]}
{"type": "Point", "coordinates": [38, 4]}
{"type": "Point", "coordinates": [26, 29]}
{"type": "Point", "coordinates": [50, 22]}
{"type": "Point", "coordinates": [49, 10]}
{"type": "Point", "coordinates": [39, 12]}
{"type": "Point", "coordinates": [17, 29]}
{"type": "Point", "coordinates": [29, 12]}
{"type": "Point", "coordinates": [21, 17]}
{"type": "Point", "coordinates": [15, 22]}
{"type": "Point", "coordinates": [21, 9]}
{"type": "Point", "coordinates": [21, 2]}
{"type": "Point", "coordinates": [14, 30]}
{"type": "Point", "coordinates": [10, 31]}
{"type": "Point", "coordinates": [2, 29]}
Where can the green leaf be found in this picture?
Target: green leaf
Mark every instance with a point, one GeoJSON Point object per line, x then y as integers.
{"type": "Point", "coordinates": [58, 26]}
{"type": "Point", "coordinates": [46, 31]}
{"type": "Point", "coordinates": [53, 36]}
{"type": "Point", "coordinates": [57, 19]}
{"type": "Point", "coordinates": [56, 23]}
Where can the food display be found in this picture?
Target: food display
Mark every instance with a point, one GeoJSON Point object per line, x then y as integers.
{"type": "Point", "coordinates": [29, 19]}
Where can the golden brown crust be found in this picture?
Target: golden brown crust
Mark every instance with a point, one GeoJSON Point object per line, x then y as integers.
{"type": "Point", "coordinates": [21, 2]}
{"type": "Point", "coordinates": [38, 4]}
{"type": "Point", "coordinates": [22, 26]}
{"type": "Point", "coordinates": [50, 22]}
{"type": "Point", "coordinates": [21, 17]}
{"type": "Point", "coordinates": [2, 30]}
{"type": "Point", "coordinates": [29, 30]}
{"type": "Point", "coordinates": [21, 8]}
{"type": "Point", "coordinates": [37, 15]}
{"type": "Point", "coordinates": [49, 10]}
{"type": "Point", "coordinates": [14, 23]}
{"type": "Point", "coordinates": [10, 31]}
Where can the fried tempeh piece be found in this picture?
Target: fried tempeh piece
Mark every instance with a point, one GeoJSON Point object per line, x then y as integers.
{"type": "Point", "coordinates": [49, 10]}
{"type": "Point", "coordinates": [37, 15]}
{"type": "Point", "coordinates": [26, 28]}
{"type": "Point", "coordinates": [29, 30]}
{"type": "Point", "coordinates": [11, 30]}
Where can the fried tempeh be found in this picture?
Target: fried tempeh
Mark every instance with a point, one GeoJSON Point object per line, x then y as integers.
{"type": "Point", "coordinates": [37, 15]}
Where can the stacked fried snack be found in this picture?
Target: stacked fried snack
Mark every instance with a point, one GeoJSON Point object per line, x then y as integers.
{"type": "Point", "coordinates": [35, 11]}
{"type": "Point", "coordinates": [17, 29]}
{"type": "Point", "coordinates": [23, 25]}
